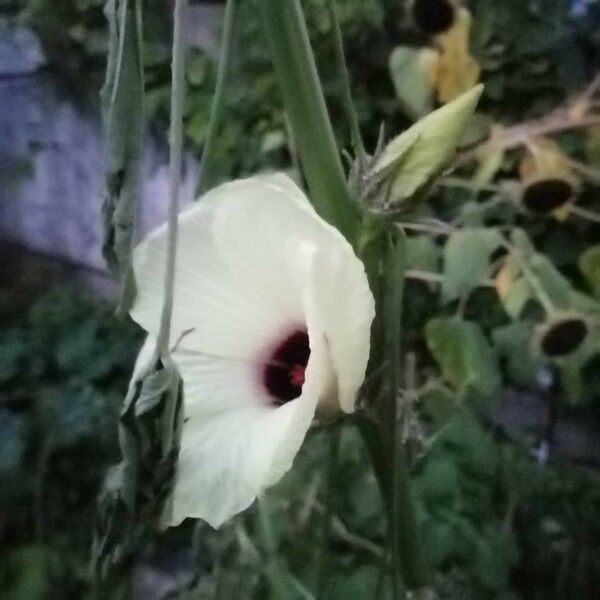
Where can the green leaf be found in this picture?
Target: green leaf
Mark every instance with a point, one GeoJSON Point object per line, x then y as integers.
{"type": "Point", "coordinates": [516, 298]}
{"type": "Point", "coordinates": [25, 574]}
{"type": "Point", "coordinates": [556, 285]}
{"type": "Point", "coordinates": [513, 344]}
{"type": "Point", "coordinates": [75, 414]}
{"type": "Point", "coordinates": [13, 352]}
{"type": "Point", "coordinates": [589, 265]}
{"type": "Point", "coordinates": [423, 254]}
{"type": "Point", "coordinates": [467, 260]}
{"type": "Point", "coordinates": [76, 347]}
{"type": "Point", "coordinates": [494, 557]}
{"type": "Point", "coordinates": [441, 541]}
{"type": "Point", "coordinates": [123, 115]}
{"type": "Point", "coordinates": [439, 404]}
{"type": "Point", "coordinates": [467, 360]}
{"type": "Point", "coordinates": [415, 157]}
{"type": "Point", "coordinates": [12, 434]}
{"type": "Point", "coordinates": [439, 483]}
{"type": "Point", "coordinates": [578, 370]}
{"type": "Point", "coordinates": [357, 583]}
{"type": "Point", "coordinates": [413, 87]}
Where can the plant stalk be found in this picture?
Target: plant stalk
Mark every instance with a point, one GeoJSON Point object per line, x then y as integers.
{"type": "Point", "coordinates": [176, 149]}
{"type": "Point", "coordinates": [296, 71]}
{"type": "Point", "coordinates": [383, 440]}
{"type": "Point", "coordinates": [304, 101]}
{"type": "Point", "coordinates": [406, 549]}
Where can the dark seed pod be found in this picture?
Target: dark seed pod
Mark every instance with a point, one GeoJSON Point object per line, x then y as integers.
{"type": "Point", "coordinates": [545, 195]}
{"type": "Point", "coordinates": [563, 337]}
{"type": "Point", "coordinates": [433, 16]}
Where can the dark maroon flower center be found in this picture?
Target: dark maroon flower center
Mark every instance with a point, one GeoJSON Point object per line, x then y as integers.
{"type": "Point", "coordinates": [284, 371]}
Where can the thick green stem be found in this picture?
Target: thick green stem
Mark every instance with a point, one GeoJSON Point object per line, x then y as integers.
{"type": "Point", "coordinates": [406, 547]}
{"type": "Point", "coordinates": [298, 79]}
{"type": "Point", "coordinates": [382, 439]}
{"type": "Point", "coordinates": [412, 562]}
{"type": "Point", "coordinates": [305, 105]}
{"type": "Point", "coordinates": [408, 550]}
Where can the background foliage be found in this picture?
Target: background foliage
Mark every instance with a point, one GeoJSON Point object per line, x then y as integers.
{"type": "Point", "coordinates": [498, 519]}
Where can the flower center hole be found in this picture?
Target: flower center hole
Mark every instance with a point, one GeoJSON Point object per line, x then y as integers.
{"type": "Point", "coordinates": [546, 195]}
{"type": "Point", "coordinates": [284, 372]}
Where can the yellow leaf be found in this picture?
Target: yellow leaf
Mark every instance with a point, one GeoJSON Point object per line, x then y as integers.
{"type": "Point", "coordinates": [561, 214]}
{"type": "Point", "coordinates": [505, 277]}
{"type": "Point", "coordinates": [457, 70]}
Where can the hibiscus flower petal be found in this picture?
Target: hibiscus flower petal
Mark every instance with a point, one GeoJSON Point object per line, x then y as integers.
{"type": "Point", "coordinates": [345, 306]}
{"type": "Point", "coordinates": [259, 278]}
{"type": "Point", "coordinates": [235, 444]}
{"type": "Point", "coordinates": [214, 310]}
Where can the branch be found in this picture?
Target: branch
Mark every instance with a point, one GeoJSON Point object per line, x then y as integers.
{"type": "Point", "coordinates": [577, 114]}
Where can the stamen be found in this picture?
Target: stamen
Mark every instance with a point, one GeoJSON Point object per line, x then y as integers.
{"type": "Point", "coordinates": [297, 374]}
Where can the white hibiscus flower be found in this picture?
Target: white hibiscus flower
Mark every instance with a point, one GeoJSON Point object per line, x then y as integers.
{"type": "Point", "coordinates": [273, 313]}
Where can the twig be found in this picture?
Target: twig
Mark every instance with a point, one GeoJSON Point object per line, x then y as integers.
{"type": "Point", "coordinates": [458, 182]}
{"type": "Point", "coordinates": [590, 173]}
{"type": "Point", "coordinates": [176, 144]}
{"type": "Point", "coordinates": [427, 276]}
{"type": "Point", "coordinates": [531, 277]}
{"type": "Point", "coordinates": [577, 114]}
{"type": "Point", "coordinates": [430, 277]}
{"type": "Point", "coordinates": [584, 213]}
{"type": "Point", "coordinates": [352, 539]}
{"type": "Point", "coordinates": [438, 228]}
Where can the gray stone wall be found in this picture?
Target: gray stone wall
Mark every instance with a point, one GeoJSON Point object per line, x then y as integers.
{"type": "Point", "coordinates": [52, 162]}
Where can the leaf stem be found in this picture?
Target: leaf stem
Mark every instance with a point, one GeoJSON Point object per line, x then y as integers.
{"type": "Point", "coordinates": [531, 277]}
{"type": "Point", "coordinates": [176, 144]}
{"type": "Point", "coordinates": [298, 79]}
{"type": "Point", "coordinates": [206, 179]}
{"type": "Point", "coordinates": [584, 213]}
